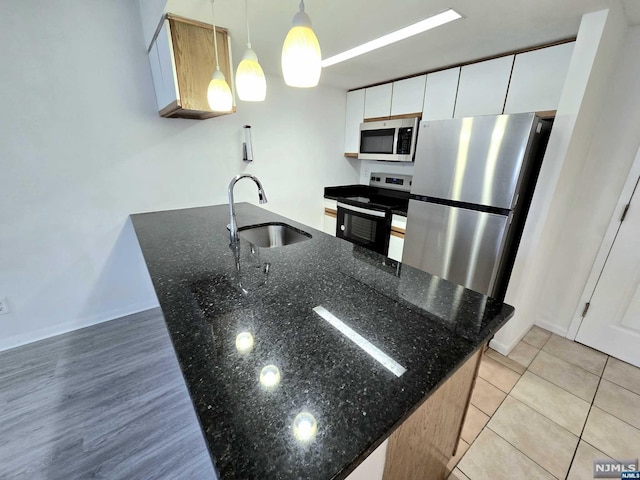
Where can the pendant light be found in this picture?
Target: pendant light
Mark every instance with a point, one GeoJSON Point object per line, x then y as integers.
{"type": "Point", "coordinates": [301, 55]}
{"type": "Point", "coordinates": [250, 82]}
{"type": "Point", "coordinates": [218, 93]}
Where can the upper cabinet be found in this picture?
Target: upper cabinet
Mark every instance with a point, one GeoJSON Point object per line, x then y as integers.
{"type": "Point", "coordinates": [537, 79]}
{"type": "Point", "coordinates": [525, 82]}
{"type": "Point", "coordinates": [483, 87]}
{"type": "Point", "coordinates": [377, 101]}
{"type": "Point", "coordinates": [182, 61]}
{"type": "Point", "coordinates": [408, 96]}
{"type": "Point", "coordinates": [440, 94]}
{"type": "Point", "coordinates": [353, 118]}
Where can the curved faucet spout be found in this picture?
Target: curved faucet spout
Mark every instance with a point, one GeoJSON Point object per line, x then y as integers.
{"type": "Point", "coordinates": [262, 197]}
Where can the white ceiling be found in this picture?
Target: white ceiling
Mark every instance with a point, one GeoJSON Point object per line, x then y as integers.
{"type": "Point", "coordinates": [490, 27]}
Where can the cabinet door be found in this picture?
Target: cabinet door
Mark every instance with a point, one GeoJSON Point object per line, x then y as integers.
{"type": "Point", "coordinates": [538, 78]}
{"type": "Point", "coordinates": [440, 94]}
{"type": "Point", "coordinates": [377, 101]}
{"type": "Point", "coordinates": [162, 62]}
{"type": "Point", "coordinates": [396, 239]}
{"type": "Point", "coordinates": [483, 87]}
{"type": "Point", "coordinates": [408, 96]}
{"type": "Point", "coordinates": [330, 225]}
{"type": "Point", "coordinates": [353, 118]}
{"type": "Point", "coordinates": [330, 216]}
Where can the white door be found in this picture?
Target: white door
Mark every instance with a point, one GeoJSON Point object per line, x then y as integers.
{"type": "Point", "coordinates": [612, 322]}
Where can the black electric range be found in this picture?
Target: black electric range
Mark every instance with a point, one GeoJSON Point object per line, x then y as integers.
{"type": "Point", "coordinates": [364, 211]}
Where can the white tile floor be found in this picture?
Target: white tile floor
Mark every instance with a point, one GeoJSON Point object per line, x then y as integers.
{"type": "Point", "coordinates": [547, 411]}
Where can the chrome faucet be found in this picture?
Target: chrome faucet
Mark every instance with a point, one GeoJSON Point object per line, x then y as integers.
{"type": "Point", "coordinates": [233, 226]}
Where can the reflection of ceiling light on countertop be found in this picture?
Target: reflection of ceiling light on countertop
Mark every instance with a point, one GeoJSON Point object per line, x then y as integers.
{"type": "Point", "coordinates": [270, 376]}
{"type": "Point", "coordinates": [244, 342]}
{"type": "Point", "coordinates": [406, 32]}
{"type": "Point", "coordinates": [305, 427]}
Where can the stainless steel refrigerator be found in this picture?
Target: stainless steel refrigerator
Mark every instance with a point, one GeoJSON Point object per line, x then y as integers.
{"type": "Point", "coordinates": [472, 187]}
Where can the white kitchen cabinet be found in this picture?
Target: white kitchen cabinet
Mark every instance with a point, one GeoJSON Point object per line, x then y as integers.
{"type": "Point", "coordinates": [537, 79]}
{"type": "Point", "coordinates": [330, 216]}
{"type": "Point", "coordinates": [377, 101]}
{"type": "Point", "coordinates": [408, 96]}
{"type": "Point", "coordinates": [162, 61]}
{"type": "Point", "coordinates": [440, 94]}
{"type": "Point", "coordinates": [354, 116]}
{"type": "Point", "coordinates": [396, 239]}
{"type": "Point", "coordinates": [483, 87]}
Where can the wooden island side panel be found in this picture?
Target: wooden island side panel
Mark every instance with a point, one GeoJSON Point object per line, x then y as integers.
{"type": "Point", "coordinates": [423, 445]}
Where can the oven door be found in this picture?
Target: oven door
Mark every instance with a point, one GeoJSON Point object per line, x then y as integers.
{"type": "Point", "coordinates": [366, 227]}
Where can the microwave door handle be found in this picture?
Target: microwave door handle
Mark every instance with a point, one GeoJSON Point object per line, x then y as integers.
{"type": "Point", "coordinates": [396, 135]}
{"type": "Point", "coordinates": [374, 213]}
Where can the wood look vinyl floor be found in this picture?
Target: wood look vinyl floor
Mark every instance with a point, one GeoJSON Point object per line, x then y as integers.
{"type": "Point", "coordinates": [104, 402]}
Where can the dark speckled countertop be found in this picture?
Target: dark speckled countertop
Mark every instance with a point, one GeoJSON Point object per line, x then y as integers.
{"type": "Point", "coordinates": [423, 324]}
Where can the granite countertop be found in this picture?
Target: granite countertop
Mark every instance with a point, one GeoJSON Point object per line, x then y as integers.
{"type": "Point", "coordinates": [228, 323]}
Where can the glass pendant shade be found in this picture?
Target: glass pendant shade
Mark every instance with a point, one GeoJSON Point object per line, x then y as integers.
{"type": "Point", "coordinates": [251, 84]}
{"type": "Point", "coordinates": [301, 55]}
{"type": "Point", "coordinates": [219, 93]}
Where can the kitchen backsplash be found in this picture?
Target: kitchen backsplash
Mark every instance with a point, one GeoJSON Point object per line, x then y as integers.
{"type": "Point", "coordinates": [368, 166]}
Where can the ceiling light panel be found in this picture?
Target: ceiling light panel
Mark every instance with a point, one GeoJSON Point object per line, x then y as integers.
{"type": "Point", "coordinates": [406, 32]}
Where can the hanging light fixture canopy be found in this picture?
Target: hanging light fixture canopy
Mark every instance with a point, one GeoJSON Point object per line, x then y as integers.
{"type": "Point", "coordinates": [218, 93]}
{"type": "Point", "coordinates": [250, 81]}
{"type": "Point", "coordinates": [301, 55]}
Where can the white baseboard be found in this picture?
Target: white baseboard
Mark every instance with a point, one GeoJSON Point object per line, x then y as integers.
{"type": "Point", "coordinates": [77, 324]}
{"type": "Point", "coordinates": [505, 349]}
{"type": "Point", "coordinates": [553, 328]}
{"type": "Point", "coordinates": [499, 347]}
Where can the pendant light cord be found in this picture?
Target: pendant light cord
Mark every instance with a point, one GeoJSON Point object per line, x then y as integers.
{"type": "Point", "coordinates": [215, 40]}
{"type": "Point", "coordinates": [301, 5]}
{"type": "Point", "coordinates": [246, 14]}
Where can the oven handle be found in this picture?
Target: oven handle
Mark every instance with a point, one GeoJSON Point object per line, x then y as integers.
{"type": "Point", "coordinates": [375, 213]}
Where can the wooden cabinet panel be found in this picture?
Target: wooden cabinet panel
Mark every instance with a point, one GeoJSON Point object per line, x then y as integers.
{"type": "Point", "coordinates": [423, 445]}
{"type": "Point", "coordinates": [377, 101]}
{"type": "Point", "coordinates": [185, 63]}
{"type": "Point", "coordinates": [483, 87]}
{"type": "Point", "coordinates": [408, 96]}
{"type": "Point", "coordinates": [354, 116]}
{"type": "Point", "coordinates": [372, 468]}
{"type": "Point", "coordinates": [538, 78]}
{"type": "Point", "coordinates": [440, 94]}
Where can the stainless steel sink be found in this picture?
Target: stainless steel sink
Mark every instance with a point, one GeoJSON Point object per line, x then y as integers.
{"type": "Point", "coordinates": [273, 234]}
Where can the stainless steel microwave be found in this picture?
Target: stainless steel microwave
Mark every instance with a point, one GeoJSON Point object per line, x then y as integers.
{"type": "Point", "coordinates": [391, 140]}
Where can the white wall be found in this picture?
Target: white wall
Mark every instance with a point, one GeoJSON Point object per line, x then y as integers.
{"type": "Point", "coordinates": [557, 203]}
{"type": "Point", "coordinates": [82, 147]}
{"type": "Point", "coordinates": [595, 191]}
{"type": "Point", "coordinates": [151, 12]}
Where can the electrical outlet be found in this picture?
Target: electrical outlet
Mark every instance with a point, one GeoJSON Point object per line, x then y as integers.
{"type": "Point", "coordinates": [4, 306]}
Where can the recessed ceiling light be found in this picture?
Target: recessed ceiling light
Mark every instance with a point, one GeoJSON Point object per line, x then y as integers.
{"type": "Point", "coordinates": [406, 32]}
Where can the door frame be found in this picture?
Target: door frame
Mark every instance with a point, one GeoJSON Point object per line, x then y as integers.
{"type": "Point", "coordinates": [605, 247]}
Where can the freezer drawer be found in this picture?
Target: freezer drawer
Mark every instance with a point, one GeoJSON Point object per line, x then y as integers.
{"type": "Point", "coordinates": [460, 245]}
{"type": "Point", "coordinates": [476, 160]}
